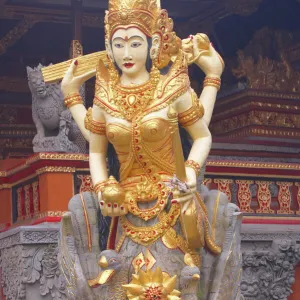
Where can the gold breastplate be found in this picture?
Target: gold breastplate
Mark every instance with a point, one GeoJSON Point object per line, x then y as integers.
{"type": "Point", "coordinates": [145, 152]}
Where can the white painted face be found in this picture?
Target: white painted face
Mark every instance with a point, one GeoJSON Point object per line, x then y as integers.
{"type": "Point", "coordinates": [130, 51]}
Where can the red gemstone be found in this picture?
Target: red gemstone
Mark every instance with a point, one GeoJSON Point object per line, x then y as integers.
{"type": "Point", "coordinates": [138, 148]}
{"type": "Point", "coordinates": [166, 37]}
{"type": "Point", "coordinates": [115, 205]}
{"type": "Point", "coordinates": [109, 205]}
{"type": "Point", "coordinates": [149, 170]}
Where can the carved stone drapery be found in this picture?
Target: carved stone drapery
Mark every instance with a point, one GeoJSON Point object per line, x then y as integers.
{"type": "Point", "coordinates": [269, 274]}
{"type": "Point", "coordinates": [29, 266]}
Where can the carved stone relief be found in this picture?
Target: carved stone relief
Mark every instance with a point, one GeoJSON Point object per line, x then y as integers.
{"type": "Point", "coordinates": [29, 266]}
{"type": "Point", "coordinates": [269, 274]}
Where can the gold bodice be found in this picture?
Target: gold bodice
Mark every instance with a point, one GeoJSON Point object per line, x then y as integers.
{"type": "Point", "coordinates": [156, 142]}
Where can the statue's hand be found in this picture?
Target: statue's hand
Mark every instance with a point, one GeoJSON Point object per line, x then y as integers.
{"type": "Point", "coordinates": [111, 209]}
{"type": "Point", "coordinates": [189, 194]}
{"type": "Point", "coordinates": [71, 83]}
{"type": "Point", "coordinates": [199, 50]}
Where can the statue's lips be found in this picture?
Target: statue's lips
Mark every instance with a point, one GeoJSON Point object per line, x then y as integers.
{"type": "Point", "coordinates": [128, 65]}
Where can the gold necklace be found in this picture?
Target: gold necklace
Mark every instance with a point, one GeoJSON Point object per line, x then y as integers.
{"type": "Point", "coordinates": [132, 100]}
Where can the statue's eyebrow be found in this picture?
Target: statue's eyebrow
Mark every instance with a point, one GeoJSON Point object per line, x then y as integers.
{"type": "Point", "coordinates": [127, 39]}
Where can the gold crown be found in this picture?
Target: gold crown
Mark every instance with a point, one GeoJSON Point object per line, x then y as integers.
{"type": "Point", "coordinates": [142, 13]}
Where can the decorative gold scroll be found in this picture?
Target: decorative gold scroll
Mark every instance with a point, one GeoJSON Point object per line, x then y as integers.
{"type": "Point", "coordinates": [86, 63]}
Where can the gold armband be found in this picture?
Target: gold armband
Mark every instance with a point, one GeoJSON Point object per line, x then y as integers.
{"type": "Point", "coordinates": [72, 100]}
{"type": "Point", "coordinates": [92, 125]}
{"type": "Point", "coordinates": [212, 81]}
{"type": "Point", "coordinates": [193, 114]}
{"type": "Point", "coordinates": [192, 164]}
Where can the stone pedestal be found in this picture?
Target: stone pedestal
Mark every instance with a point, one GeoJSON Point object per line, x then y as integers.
{"type": "Point", "coordinates": [29, 268]}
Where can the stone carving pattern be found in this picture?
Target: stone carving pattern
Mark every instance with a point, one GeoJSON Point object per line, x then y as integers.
{"type": "Point", "coordinates": [56, 130]}
{"type": "Point", "coordinates": [264, 197]}
{"type": "Point", "coordinates": [19, 203]}
{"type": "Point", "coordinates": [29, 237]}
{"type": "Point", "coordinates": [26, 265]}
{"type": "Point", "coordinates": [86, 183]}
{"type": "Point", "coordinates": [284, 197]}
{"type": "Point", "coordinates": [298, 197]}
{"type": "Point", "coordinates": [269, 275]}
{"type": "Point", "coordinates": [27, 200]}
{"type": "Point", "coordinates": [224, 186]}
{"type": "Point", "coordinates": [35, 197]}
{"type": "Point", "coordinates": [244, 195]}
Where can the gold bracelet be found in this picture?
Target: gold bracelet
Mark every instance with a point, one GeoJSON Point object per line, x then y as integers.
{"type": "Point", "coordinates": [212, 81]}
{"type": "Point", "coordinates": [98, 187]}
{"type": "Point", "coordinates": [194, 165]}
{"type": "Point", "coordinates": [72, 100]}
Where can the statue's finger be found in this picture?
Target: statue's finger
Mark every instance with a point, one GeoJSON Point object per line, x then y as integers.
{"type": "Point", "coordinates": [109, 208]}
{"type": "Point", "coordinates": [72, 68]}
{"type": "Point", "coordinates": [103, 209]}
{"type": "Point", "coordinates": [123, 210]}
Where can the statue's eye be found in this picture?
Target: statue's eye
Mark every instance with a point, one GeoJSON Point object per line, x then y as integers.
{"type": "Point", "coordinates": [135, 44]}
{"type": "Point", "coordinates": [118, 45]}
{"type": "Point", "coordinates": [112, 260]}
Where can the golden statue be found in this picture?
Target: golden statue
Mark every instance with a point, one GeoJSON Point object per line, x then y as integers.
{"type": "Point", "coordinates": [159, 222]}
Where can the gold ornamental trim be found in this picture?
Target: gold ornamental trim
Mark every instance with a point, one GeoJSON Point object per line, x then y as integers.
{"type": "Point", "coordinates": [56, 156]}
{"type": "Point", "coordinates": [5, 186]}
{"type": "Point", "coordinates": [45, 156]}
{"type": "Point", "coordinates": [253, 165]}
{"type": "Point", "coordinates": [255, 105]}
{"type": "Point", "coordinates": [55, 170]}
{"type": "Point", "coordinates": [37, 216]}
{"type": "Point", "coordinates": [50, 214]}
{"type": "Point", "coordinates": [257, 93]}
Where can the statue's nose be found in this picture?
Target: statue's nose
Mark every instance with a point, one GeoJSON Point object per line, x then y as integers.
{"type": "Point", "coordinates": [103, 262]}
{"type": "Point", "coordinates": [196, 276]}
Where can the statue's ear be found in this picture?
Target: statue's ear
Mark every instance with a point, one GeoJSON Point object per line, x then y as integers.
{"type": "Point", "coordinates": [109, 50]}
{"type": "Point", "coordinates": [29, 70]}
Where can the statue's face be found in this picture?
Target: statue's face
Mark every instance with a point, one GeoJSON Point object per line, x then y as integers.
{"type": "Point", "coordinates": [130, 50]}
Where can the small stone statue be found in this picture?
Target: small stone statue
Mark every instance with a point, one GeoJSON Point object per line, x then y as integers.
{"type": "Point", "coordinates": [56, 129]}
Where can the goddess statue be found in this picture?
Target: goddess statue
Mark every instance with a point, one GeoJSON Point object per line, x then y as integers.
{"type": "Point", "coordinates": [163, 241]}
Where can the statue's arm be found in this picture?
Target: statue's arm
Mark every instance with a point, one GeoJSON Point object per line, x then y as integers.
{"type": "Point", "coordinates": [78, 112]}
{"type": "Point", "coordinates": [210, 62]}
{"type": "Point", "coordinates": [98, 149]}
{"type": "Point", "coordinates": [199, 133]}
{"type": "Point", "coordinates": [70, 85]}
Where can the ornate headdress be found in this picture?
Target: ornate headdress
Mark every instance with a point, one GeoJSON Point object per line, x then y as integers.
{"type": "Point", "coordinates": [151, 19]}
